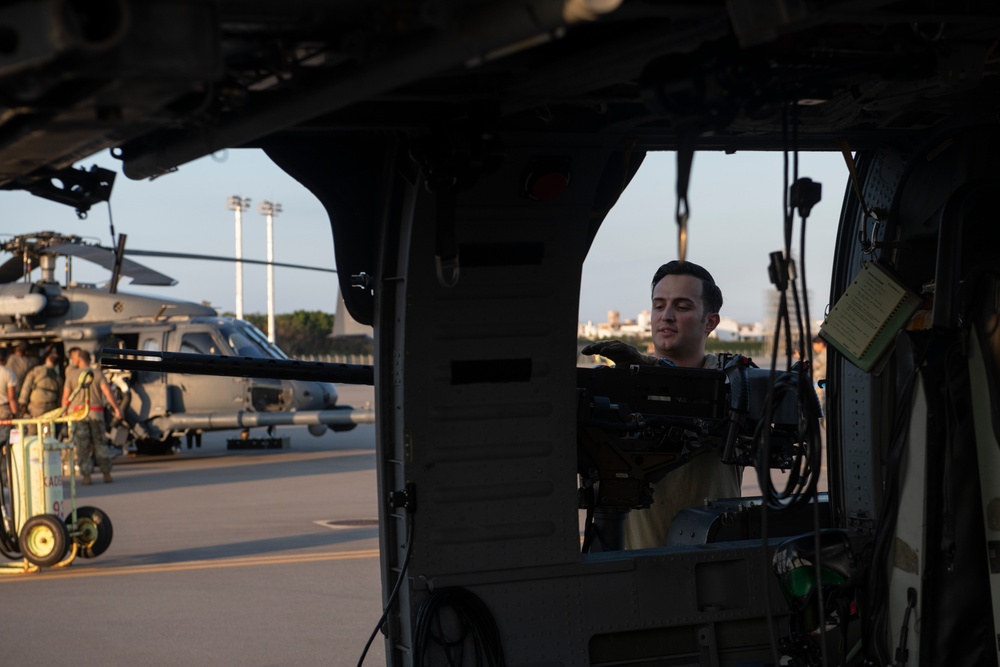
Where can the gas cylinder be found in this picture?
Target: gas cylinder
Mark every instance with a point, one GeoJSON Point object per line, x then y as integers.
{"type": "Point", "coordinates": [36, 476]}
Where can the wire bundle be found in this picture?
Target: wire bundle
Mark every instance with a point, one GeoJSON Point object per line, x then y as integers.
{"type": "Point", "coordinates": [799, 195]}
{"type": "Point", "coordinates": [470, 620]}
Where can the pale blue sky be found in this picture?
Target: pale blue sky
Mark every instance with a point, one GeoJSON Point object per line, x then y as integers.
{"type": "Point", "coordinates": [735, 203]}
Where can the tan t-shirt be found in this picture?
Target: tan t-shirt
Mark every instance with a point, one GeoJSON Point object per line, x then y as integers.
{"type": "Point", "coordinates": [96, 395]}
{"type": "Point", "coordinates": [703, 477]}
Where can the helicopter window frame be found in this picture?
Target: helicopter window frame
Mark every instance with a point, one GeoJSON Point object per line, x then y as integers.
{"type": "Point", "coordinates": [243, 345]}
{"type": "Point", "coordinates": [187, 346]}
{"type": "Point", "coordinates": [256, 335]}
{"type": "Point", "coordinates": [151, 344]}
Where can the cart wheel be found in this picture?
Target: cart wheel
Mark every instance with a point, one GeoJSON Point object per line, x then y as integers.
{"type": "Point", "coordinates": [94, 531]}
{"type": "Point", "coordinates": [44, 540]}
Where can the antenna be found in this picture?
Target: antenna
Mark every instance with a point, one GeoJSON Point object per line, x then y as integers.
{"type": "Point", "coordinates": [116, 273]}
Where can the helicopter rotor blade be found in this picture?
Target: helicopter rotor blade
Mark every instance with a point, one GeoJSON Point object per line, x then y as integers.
{"type": "Point", "coordinates": [105, 257]}
{"type": "Point", "coordinates": [12, 270]}
{"type": "Point", "coordinates": [220, 258]}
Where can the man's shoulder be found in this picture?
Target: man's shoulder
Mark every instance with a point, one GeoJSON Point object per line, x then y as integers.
{"type": "Point", "coordinates": [37, 371]}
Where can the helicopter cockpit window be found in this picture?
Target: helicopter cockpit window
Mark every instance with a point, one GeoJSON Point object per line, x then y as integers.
{"type": "Point", "coordinates": [152, 345]}
{"type": "Point", "coordinates": [199, 343]}
{"type": "Point", "coordinates": [243, 346]}
{"type": "Point", "coordinates": [256, 337]}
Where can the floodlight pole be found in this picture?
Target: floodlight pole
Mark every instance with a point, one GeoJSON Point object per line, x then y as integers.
{"type": "Point", "coordinates": [239, 204]}
{"type": "Point", "coordinates": [270, 209]}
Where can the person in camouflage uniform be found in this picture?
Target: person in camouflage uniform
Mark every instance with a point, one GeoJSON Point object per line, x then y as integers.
{"type": "Point", "coordinates": [88, 433]}
{"type": "Point", "coordinates": [8, 398]}
{"type": "Point", "coordinates": [41, 389]}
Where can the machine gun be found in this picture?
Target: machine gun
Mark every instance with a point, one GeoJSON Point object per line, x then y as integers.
{"type": "Point", "coordinates": [635, 424]}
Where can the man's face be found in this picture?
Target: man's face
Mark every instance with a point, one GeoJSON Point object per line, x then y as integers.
{"type": "Point", "coordinates": [679, 322]}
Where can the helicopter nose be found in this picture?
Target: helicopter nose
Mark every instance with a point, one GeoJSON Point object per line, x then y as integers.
{"type": "Point", "coordinates": [329, 394]}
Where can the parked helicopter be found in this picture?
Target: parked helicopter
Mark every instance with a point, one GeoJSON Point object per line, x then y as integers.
{"type": "Point", "coordinates": [158, 407]}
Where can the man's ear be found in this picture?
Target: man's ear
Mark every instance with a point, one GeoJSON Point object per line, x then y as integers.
{"type": "Point", "coordinates": [711, 322]}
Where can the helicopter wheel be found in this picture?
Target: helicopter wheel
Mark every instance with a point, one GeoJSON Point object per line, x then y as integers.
{"type": "Point", "coordinates": [150, 447]}
{"type": "Point", "coordinates": [340, 428]}
{"type": "Point", "coordinates": [94, 531]}
{"type": "Point", "coordinates": [44, 540]}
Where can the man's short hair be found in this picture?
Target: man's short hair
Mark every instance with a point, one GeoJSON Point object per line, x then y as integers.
{"type": "Point", "coordinates": [711, 295]}
{"type": "Point", "coordinates": [84, 356]}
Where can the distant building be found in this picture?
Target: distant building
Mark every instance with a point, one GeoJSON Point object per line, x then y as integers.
{"type": "Point", "coordinates": [773, 300]}
{"type": "Point", "coordinates": [729, 330]}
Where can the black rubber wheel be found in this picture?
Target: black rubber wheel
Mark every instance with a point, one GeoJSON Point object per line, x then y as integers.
{"type": "Point", "coordinates": [150, 447]}
{"type": "Point", "coordinates": [44, 540]}
{"type": "Point", "coordinates": [93, 531]}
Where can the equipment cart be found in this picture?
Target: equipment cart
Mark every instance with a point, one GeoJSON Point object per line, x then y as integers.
{"type": "Point", "coordinates": [41, 525]}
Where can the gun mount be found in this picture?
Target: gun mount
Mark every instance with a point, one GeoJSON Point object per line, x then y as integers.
{"type": "Point", "coordinates": [636, 424]}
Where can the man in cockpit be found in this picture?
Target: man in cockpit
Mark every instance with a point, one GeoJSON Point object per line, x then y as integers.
{"type": "Point", "coordinates": [685, 310]}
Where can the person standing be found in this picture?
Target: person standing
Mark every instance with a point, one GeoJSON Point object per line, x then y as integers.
{"type": "Point", "coordinates": [685, 310]}
{"type": "Point", "coordinates": [88, 433]}
{"type": "Point", "coordinates": [819, 370]}
{"type": "Point", "coordinates": [8, 400]}
{"type": "Point", "coordinates": [41, 388]}
{"type": "Point", "coordinates": [18, 362]}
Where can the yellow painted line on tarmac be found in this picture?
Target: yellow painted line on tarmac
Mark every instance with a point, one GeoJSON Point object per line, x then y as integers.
{"type": "Point", "coordinates": [64, 573]}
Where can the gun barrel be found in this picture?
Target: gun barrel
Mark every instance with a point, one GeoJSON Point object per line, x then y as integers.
{"type": "Point", "coordinates": [210, 364]}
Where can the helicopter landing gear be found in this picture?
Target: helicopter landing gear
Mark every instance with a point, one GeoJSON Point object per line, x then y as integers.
{"type": "Point", "coordinates": [151, 447]}
{"type": "Point", "coordinates": [193, 438]}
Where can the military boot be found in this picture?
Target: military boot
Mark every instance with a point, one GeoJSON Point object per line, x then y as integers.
{"type": "Point", "coordinates": [86, 480]}
{"type": "Point", "coordinates": [107, 478]}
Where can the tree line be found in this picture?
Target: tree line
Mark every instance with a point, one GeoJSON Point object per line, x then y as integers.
{"type": "Point", "coordinates": [307, 332]}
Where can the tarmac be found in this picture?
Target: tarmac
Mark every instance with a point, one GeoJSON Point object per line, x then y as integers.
{"type": "Point", "coordinates": [218, 557]}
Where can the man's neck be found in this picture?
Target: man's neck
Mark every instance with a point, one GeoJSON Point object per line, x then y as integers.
{"type": "Point", "coordinates": [696, 360]}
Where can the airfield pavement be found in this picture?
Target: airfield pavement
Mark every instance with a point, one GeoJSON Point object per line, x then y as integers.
{"type": "Point", "coordinates": [219, 557]}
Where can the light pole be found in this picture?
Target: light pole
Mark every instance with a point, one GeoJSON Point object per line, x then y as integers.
{"type": "Point", "coordinates": [270, 210]}
{"type": "Point", "coordinates": [239, 204]}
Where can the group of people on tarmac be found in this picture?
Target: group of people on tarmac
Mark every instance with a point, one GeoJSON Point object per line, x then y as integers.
{"type": "Point", "coordinates": [32, 385]}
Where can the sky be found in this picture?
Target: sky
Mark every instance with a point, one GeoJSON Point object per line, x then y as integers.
{"type": "Point", "coordinates": [735, 222]}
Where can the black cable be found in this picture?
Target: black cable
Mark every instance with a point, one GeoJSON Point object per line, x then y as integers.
{"type": "Point", "coordinates": [802, 485]}
{"type": "Point", "coordinates": [111, 224]}
{"type": "Point", "coordinates": [877, 577]}
{"type": "Point", "coordinates": [8, 541]}
{"type": "Point", "coordinates": [395, 590]}
{"type": "Point", "coordinates": [474, 621]}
